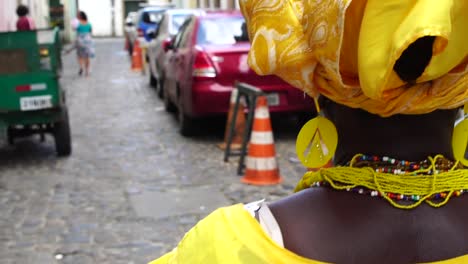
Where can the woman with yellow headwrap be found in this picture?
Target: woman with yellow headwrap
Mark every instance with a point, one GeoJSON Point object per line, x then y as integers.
{"type": "Point", "coordinates": [391, 76]}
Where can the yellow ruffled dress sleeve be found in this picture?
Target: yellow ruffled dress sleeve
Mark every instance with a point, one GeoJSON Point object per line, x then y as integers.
{"type": "Point", "coordinates": [230, 235]}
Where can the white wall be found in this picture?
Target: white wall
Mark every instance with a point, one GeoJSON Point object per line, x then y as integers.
{"type": "Point", "coordinates": [119, 17]}
{"type": "Point", "coordinates": [7, 15]}
{"type": "Point", "coordinates": [38, 9]}
{"type": "Point", "coordinates": [99, 15]}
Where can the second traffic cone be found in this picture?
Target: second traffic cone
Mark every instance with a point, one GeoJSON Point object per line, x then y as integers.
{"type": "Point", "coordinates": [261, 165]}
{"type": "Point", "coordinates": [137, 62]}
{"type": "Point", "coordinates": [239, 125]}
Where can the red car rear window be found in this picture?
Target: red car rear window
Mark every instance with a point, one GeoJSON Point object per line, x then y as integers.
{"type": "Point", "coordinates": [222, 31]}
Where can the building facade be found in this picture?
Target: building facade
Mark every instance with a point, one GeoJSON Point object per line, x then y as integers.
{"type": "Point", "coordinates": [107, 16]}
{"type": "Point", "coordinates": [38, 9]}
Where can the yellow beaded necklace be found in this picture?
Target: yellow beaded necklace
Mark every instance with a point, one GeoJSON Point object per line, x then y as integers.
{"type": "Point", "coordinates": [421, 185]}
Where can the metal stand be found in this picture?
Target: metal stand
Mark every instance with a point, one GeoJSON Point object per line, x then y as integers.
{"type": "Point", "coordinates": [250, 93]}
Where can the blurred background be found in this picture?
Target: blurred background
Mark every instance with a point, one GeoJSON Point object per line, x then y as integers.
{"type": "Point", "coordinates": [115, 164]}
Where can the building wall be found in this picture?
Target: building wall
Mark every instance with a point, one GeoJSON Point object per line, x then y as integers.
{"type": "Point", "coordinates": [99, 15]}
{"type": "Point", "coordinates": [100, 12]}
{"type": "Point", "coordinates": [70, 11]}
{"type": "Point", "coordinates": [222, 4]}
{"type": "Point", "coordinates": [38, 9]}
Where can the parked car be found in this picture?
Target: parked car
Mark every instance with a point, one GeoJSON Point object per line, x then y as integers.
{"type": "Point", "coordinates": [146, 20]}
{"type": "Point", "coordinates": [205, 59]}
{"type": "Point", "coordinates": [168, 28]}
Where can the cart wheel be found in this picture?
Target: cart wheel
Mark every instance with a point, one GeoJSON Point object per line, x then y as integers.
{"type": "Point", "coordinates": [10, 136]}
{"type": "Point", "coordinates": [62, 136]}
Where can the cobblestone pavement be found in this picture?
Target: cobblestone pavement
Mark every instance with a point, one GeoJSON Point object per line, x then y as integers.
{"type": "Point", "coordinates": [132, 187]}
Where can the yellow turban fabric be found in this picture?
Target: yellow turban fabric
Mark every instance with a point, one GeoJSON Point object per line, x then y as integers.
{"type": "Point", "coordinates": [346, 50]}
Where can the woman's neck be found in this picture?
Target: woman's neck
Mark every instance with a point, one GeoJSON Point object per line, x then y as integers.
{"type": "Point", "coordinates": [406, 137]}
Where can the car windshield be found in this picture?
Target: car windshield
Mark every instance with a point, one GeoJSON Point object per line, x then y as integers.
{"type": "Point", "coordinates": [152, 17]}
{"type": "Point", "coordinates": [177, 21]}
{"type": "Point", "coordinates": [222, 31]}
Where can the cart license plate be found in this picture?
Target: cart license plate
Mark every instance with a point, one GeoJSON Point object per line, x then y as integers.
{"type": "Point", "coordinates": [35, 102]}
{"type": "Point", "coordinates": [273, 99]}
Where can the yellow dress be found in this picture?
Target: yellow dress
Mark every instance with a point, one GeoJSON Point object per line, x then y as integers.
{"type": "Point", "coordinates": [231, 235]}
{"type": "Point", "coordinates": [346, 50]}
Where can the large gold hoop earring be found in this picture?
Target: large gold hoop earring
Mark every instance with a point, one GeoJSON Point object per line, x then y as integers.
{"type": "Point", "coordinates": [317, 140]}
{"type": "Point", "coordinates": [460, 138]}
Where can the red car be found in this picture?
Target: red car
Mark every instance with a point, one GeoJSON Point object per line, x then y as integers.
{"type": "Point", "coordinates": [205, 59]}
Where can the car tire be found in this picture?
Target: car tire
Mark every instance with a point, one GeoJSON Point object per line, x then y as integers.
{"type": "Point", "coordinates": [152, 80]}
{"type": "Point", "coordinates": [186, 123]}
{"type": "Point", "coordinates": [168, 105]}
{"type": "Point", "coordinates": [61, 132]}
{"type": "Point", "coordinates": [160, 87]}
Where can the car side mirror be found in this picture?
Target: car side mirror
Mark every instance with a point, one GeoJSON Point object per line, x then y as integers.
{"type": "Point", "coordinates": [167, 45]}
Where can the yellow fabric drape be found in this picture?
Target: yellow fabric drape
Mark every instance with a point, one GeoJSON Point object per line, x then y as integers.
{"type": "Point", "coordinates": [231, 235]}
{"type": "Point", "coordinates": [346, 50]}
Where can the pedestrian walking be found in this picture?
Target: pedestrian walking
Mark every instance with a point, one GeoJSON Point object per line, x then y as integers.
{"type": "Point", "coordinates": [25, 22]}
{"type": "Point", "coordinates": [388, 81]}
{"type": "Point", "coordinates": [84, 43]}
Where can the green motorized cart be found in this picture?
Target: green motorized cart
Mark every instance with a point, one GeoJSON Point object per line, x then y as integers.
{"type": "Point", "coordinates": [31, 98]}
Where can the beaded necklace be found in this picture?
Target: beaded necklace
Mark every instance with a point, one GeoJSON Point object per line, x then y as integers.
{"type": "Point", "coordinates": [434, 180]}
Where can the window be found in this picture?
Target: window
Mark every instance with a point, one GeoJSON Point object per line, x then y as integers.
{"type": "Point", "coordinates": [162, 26]}
{"type": "Point", "coordinates": [152, 17]}
{"type": "Point", "coordinates": [178, 37]}
{"type": "Point", "coordinates": [177, 21]}
{"type": "Point", "coordinates": [222, 31]}
{"type": "Point", "coordinates": [185, 41]}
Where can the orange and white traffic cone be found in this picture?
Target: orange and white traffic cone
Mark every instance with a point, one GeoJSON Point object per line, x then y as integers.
{"type": "Point", "coordinates": [261, 165]}
{"type": "Point", "coordinates": [239, 125]}
{"type": "Point", "coordinates": [137, 62]}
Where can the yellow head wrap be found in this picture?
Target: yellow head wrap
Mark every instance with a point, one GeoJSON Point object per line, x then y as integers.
{"type": "Point", "coordinates": [346, 50]}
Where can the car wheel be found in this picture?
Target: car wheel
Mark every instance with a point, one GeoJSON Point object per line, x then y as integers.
{"type": "Point", "coordinates": [152, 81]}
{"type": "Point", "coordinates": [168, 105]}
{"type": "Point", "coordinates": [160, 87]}
{"type": "Point", "coordinates": [186, 123]}
{"type": "Point", "coordinates": [62, 135]}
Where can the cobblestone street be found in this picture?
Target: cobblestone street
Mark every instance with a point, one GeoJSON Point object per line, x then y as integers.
{"type": "Point", "coordinates": [132, 186]}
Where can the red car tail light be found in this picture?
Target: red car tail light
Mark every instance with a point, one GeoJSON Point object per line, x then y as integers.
{"type": "Point", "coordinates": [140, 32]}
{"type": "Point", "coordinates": [202, 67]}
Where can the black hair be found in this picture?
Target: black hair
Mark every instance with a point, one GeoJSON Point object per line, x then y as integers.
{"type": "Point", "coordinates": [22, 10]}
{"type": "Point", "coordinates": [83, 16]}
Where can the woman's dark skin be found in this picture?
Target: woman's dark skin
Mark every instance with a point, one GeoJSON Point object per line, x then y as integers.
{"type": "Point", "coordinates": [342, 227]}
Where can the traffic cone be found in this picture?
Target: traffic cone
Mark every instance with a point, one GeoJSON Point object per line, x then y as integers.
{"type": "Point", "coordinates": [137, 62]}
{"type": "Point", "coordinates": [239, 126]}
{"type": "Point", "coordinates": [261, 165]}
